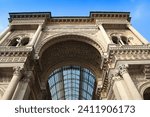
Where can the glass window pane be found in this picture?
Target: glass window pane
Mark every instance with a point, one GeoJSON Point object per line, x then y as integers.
{"type": "Point", "coordinates": [66, 82]}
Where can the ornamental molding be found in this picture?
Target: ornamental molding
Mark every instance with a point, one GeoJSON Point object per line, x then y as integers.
{"type": "Point", "coordinates": [147, 71]}
{"type": "Point", "coordinates": [10, 54]}
{"type": "Point", "coordinates": [26, 21]}
{"type": "Point", "coordinates": [71, 20]}
{"type": "Point", "coordinates": [111, 21]}
{"type": "Point", "coordinates": [129, 47]}
{"type": "Point", "coordinates": [57, 27]}
{"type": "Point", "coordinates": [13, 59]}
{"type": "Point", "coordinates": [15, 49]}
{"type": "Point", "coordinates": [130, 52]}
{"type": "Point", "coordinates": [71, 28]}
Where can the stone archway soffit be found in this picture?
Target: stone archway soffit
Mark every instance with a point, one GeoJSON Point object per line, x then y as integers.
{"type": "Point", "coordinates": [52, 40]}
{"type": "Point", "coordinates": [144, 86]}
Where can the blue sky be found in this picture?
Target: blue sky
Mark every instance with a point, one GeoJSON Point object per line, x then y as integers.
{"type": "Point", "coordinates": [140, 9]}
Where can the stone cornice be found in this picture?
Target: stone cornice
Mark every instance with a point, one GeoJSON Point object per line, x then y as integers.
{"type": "Point", "coordinates": [28, 15]}
{"type": "Point", "coordinates": [126, 53]}
{"type": "Point", "coordinates": [129, 47]}
{"type": "Point", "coordinates": [24, 21]}
{"type": "Point", "coordinates": [9, 54]}
{"type": "Point", "coordinates": [70, 19]}
{"type": "Point", "coordinates": [14, 49]}
{"type": "Point", "coordinates": [10, 51]}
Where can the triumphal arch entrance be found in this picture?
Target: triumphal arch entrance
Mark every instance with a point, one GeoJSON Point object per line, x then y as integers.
{"type": "Point", "coordinates": [96, 57]}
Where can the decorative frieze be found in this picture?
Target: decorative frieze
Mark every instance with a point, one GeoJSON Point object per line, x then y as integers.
{"type": "Point", "coordinates": [147, 71]}
{"type": "Point", "coordinates": [112, 21]}
{"type": "Point", "coordinates": [15, 49]}
{"type": "Point", "coordinates": [128, 52]}
{"type": "Point", "coordinates": [12, 59]}
{"type": "Point", "coordinates": [27, 22]}
{"type": "Point", "coordinates": [71, 20]}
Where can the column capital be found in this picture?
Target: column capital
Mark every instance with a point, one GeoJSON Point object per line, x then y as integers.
{"type": "Point", "coordinates": [117, 78]}
{"type": "Point", "coordinates": [18, 71]}
{"type": "Point", "coordinates": [28, 76]}
{"type": "Point", "coordinates": [99, 25]}
{"type": "Point", "coordinates": [122, 69]}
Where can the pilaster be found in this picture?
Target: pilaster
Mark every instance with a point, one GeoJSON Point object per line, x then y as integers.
{"type": "Point", "coordinates": [131, 86]}
{"type": "Point", "coordinates": [35, 36]}
{"type": "Point", "coordinates": [100, 26]}
{"type": "Point", "coordinates": [120, 89]}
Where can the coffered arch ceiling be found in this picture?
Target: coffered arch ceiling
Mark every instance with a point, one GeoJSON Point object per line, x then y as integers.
{"type": "Point", "coordinates": [70, 52]}
{"type": "Point", "coordinates": [45, 43]}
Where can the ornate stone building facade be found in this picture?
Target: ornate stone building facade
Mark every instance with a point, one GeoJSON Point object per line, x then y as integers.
{"type": "Point", "coordinates": [100, 56]}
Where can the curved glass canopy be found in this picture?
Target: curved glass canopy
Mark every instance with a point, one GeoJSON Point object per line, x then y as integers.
{"type": "Point", "coordinates": [71, 83]}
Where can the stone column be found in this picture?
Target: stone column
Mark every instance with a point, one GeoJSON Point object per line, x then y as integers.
{"type": "Point", "coordinates": [22, 91]}
{"type": "Point", "coordinates": [5, 34]}
{"type": "Point", "coordinates": [13, 84]}
{"type": "Point", "coordinates": [120, 89]}
{"type": "Point", "coordinates": [137, 34]}
{"type": "Point", "coordinates": [35, 36]}
{"type": "Point", "coordinates": [104, 34]}
{"type": "Point", "coordinates": [130, 84]}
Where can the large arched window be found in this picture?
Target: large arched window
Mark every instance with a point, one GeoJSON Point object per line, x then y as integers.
{"type": "Point", "coordinates": [25, 41]}
{"type": "Point", "coordinates": [18, 41]}
{"type": "Point", "coordinates": [14, 42]}
{"type": "Point", "coordinates": [124, 40]}
{"type": "Point", "coordinates": [71, 83]}
{"type": "Point", "coordinates": [115, 40]}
